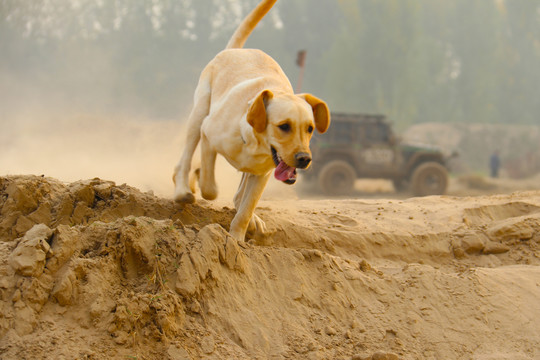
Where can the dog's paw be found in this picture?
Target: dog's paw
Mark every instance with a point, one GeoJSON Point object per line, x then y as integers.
{"type": "Point", "coordinates": [209, 193]}
{"type": "Point", "coordinates": [256, 225]}
{"type": "Point", "coordinates": [258, 232]}
{"type": "Point", "coordinates": [260, 238]}
{"type": "Point", "coordinates": [185, 198]}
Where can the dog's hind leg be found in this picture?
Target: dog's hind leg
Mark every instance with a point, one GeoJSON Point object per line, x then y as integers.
{"type": "Point", "coordinates": [201, 108]}
{"type": "Point", "coordinates": [207, 180]}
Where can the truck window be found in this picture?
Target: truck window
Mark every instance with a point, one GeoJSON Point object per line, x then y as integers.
{"type": "Point", "coordinates": [343, 133]}
{"type": "Point", "coordinates": [376, 133]}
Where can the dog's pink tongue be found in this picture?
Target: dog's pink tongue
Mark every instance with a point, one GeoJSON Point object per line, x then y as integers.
{"type": "Point", "coordinates": [284, 172]}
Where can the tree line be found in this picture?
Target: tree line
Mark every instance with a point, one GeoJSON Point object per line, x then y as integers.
{"type": "Point", "coordinates": [413, 60]}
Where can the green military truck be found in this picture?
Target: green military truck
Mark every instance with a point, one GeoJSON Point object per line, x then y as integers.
{"type": "Point", "coordinates": [364, 146]}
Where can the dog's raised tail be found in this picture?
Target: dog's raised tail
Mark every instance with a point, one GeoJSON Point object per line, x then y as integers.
{"type": "Point", "coordinates": [247, 25]}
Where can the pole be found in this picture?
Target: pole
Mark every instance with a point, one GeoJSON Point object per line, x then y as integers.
{"type": "Point", "coordinates": [300, 61]}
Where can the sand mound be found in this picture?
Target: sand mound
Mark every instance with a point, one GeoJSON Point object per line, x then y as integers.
{"type": "Point", "coordinates": [92, 270]}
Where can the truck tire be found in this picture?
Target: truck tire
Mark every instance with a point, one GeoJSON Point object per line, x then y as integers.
{"type": "Point", "coordinates": [400, 184]}
{"type": "Point", "coordinates": [337, 178]}
{"type": "Point", "coordinates": [429, 178]}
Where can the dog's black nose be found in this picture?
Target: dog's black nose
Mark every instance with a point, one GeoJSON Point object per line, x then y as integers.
{"type": "Point", "coordinates": [302, 160]}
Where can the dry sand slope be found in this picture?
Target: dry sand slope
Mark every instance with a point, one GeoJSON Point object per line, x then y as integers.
{"type": "Point", "coordinates": [91, 270]}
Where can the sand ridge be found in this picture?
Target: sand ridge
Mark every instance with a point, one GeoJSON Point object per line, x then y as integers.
{"type": "Point", "coordinates": [93, 270]}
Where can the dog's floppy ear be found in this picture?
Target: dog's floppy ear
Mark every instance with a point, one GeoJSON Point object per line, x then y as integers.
{"type": "Point", "coordinates": [321, 113]}
{"type": "Point", "coordinates": [256, 116]}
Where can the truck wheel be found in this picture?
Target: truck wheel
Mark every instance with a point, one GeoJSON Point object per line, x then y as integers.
{"type": "Point", "coordinates": [400, 184]}
{"type": "Point", "coordinates": [430, 178]}
{"type": "Point", "coordinates": [337, 178]}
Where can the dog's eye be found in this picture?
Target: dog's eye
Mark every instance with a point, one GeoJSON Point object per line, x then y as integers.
{"type": "Point", "coordinates": [285, 127]}
{"type": "Point", "coordinates": [310, 129]}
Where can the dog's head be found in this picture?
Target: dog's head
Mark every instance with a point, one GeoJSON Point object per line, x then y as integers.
{"type": "Point", "coordinates": [288, 121]}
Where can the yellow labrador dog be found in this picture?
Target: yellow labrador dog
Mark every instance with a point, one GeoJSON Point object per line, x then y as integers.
{"type": "Point", "coordinates": [245, 109]}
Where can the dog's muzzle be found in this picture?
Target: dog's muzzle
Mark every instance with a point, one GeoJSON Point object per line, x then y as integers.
{"type": "Point", "coordinates": [302, 160]}
{"type": "Point", "coordinates": [283, 172]}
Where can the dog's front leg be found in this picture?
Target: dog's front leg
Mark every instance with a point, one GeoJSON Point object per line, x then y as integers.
{"type": "Point", "coordinates": [246, 199]}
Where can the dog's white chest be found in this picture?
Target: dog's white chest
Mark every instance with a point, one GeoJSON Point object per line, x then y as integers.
{"type": "Point", "coordinates": [246, 158]}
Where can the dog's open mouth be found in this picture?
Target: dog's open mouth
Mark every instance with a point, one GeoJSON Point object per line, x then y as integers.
{"type": "Point", "coordinates": [283, 172]}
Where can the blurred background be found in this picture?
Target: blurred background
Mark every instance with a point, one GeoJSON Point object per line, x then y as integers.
{"type": "Point", "coordinates": [102, 87]}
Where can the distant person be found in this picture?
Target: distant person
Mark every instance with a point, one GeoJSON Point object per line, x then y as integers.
{"type": "Point", "coordinates": [494, 164]}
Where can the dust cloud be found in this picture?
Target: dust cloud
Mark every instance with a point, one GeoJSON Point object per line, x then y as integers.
{"type": "Point", "coordinates": [141, 152]}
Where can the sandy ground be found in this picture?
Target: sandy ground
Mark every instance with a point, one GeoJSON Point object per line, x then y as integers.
{"type": "Point", "coordinates": [95, 270]}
